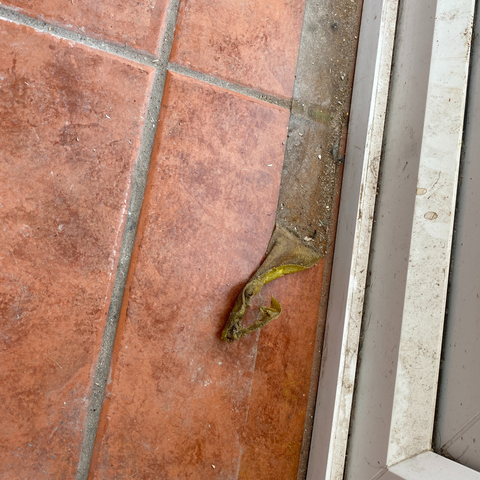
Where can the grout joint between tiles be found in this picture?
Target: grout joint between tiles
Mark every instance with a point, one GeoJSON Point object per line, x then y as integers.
{"type": "Point", "coordinates": [123, 51]}
{"type": "Point", "coordinates": [233, 87]}
{"type": "Point", "coordinates": [142, 58]}
{"type": "Point", "coordinates": [139, 179]}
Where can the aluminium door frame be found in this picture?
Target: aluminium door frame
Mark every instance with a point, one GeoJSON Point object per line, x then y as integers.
{"type": "Point", "coordinates": [408, 426]}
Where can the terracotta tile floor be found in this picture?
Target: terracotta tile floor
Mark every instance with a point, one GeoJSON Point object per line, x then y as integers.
{"type": "Point", "coordinates": [253, 43]}
{"type": "Point", "coordinates": [70, 122]}
{"type": "Point", "coordinates": [178, 392]}
{"type": "Point", "coordinates": [74, 119]}
{"type": "Point", "coordinates": [127, 22]}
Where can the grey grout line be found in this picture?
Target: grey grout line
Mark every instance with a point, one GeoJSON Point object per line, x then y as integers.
{"type": "Point", "coordinates": [130, 53]}
{"type": "Point", "coordinates": [174, 67]}
{"type": "Point", "coordinates": [125, 52]}
{"type": "Point", "coordinates": [136, 199]}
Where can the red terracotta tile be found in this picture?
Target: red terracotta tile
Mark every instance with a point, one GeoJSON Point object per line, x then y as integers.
{"type": "Point", "coordinates": [179, 396]}
{"type": "Point", "coordinates": [272, 438]}
{"type": "Point", "coordinates": [127, 22]}
{"type": "Point", "coordinates": [70, 124]}
{"type": "Point", "coordinates": [253, 43]}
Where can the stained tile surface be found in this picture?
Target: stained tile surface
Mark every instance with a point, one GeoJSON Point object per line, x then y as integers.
{"type": "Point", "coordinates": [253, 43]}
{"type": "Point", "coordinates": [272, 438]}
{"type": "Point", "coordinates": [128, 22]}
{"type": "Point", "coordinates": [179, 396]}
{"type": "Point", "coordinates": [70, 125]}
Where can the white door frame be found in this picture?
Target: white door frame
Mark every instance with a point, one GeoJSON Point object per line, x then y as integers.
{"type": "Point", "coordinates": [404, 451]}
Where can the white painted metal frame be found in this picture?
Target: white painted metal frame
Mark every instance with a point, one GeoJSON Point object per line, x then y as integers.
{"type": "Point", "coordinates": [418, 352]}
{"type": "Point", "coordinates": [367, 118]}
